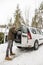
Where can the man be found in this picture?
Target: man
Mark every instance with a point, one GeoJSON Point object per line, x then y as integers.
{"type": "Point", "coordinates": [11, 37]}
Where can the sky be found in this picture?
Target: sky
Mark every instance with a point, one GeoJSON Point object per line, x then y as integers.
{"type": "Point", "coordinates": [8, 7]}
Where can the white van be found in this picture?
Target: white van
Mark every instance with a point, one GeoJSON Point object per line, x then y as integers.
{"type": "Point", "coordinates": [29, 37]}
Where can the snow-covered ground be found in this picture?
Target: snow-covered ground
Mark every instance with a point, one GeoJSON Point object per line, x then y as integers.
{"type": "Point", "coordinates": [22, 57]}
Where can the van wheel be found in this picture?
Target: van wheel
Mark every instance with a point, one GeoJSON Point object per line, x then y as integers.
{"type": "Point", "coordinates": [36, 45]}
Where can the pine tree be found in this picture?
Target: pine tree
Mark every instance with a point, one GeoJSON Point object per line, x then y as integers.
{"type": "Point", "coordinates": [18, 18]}
{"type": "Point", "coordinates": [34, 20]}
{"type": "Point", "coordinates": [37, 20]}
{"type": "Point", "coordinates": [41, 6]}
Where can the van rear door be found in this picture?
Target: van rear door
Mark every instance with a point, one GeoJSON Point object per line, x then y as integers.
{"type": "Point", "coordinates": [24, 36]}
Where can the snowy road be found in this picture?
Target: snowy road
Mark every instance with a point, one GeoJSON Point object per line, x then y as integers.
{"type": "Point", "coordinates": [22, 57]}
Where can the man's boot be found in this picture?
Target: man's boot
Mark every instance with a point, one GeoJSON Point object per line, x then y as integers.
{"type": "Point", "coordinates": [8, 58]}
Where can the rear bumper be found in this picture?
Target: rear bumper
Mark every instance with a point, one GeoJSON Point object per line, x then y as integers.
{"type": "Point", "coordinates": [22, 45]}
{"type": "Point", "coordinates": [29, 43]}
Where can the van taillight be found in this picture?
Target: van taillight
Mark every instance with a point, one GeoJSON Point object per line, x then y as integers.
{"type": "Point", "coordinates": [29, 35]}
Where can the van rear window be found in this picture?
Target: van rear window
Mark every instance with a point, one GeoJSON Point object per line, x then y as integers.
{"type": "Point", "coordinates": [24, 29]}
{"type": "Point", "coordinates": [28, 30]}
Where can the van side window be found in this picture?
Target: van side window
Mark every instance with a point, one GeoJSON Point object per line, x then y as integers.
{"type": "Point", "coordinates": [33, 31]}
{"type": "Point", "coordinates": [39, 31]}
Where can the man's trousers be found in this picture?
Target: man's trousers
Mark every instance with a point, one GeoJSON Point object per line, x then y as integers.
{"type": "Point", "coordinates": [9, 48]}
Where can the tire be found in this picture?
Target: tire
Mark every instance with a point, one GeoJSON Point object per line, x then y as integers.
{"type": "Point", "coordinates": [36, 45]}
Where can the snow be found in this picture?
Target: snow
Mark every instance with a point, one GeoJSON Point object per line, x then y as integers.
{"type": "Point", "coordinates": [22, 57]}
